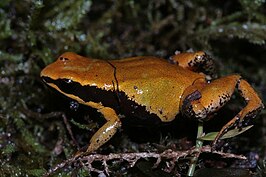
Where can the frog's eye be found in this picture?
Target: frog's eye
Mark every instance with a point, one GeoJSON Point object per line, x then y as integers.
{"type": "Point", "coordinates": [63, 58]}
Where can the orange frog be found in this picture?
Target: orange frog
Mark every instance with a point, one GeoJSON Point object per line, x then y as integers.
{"type": "Point", "coordinates": [148, 87]}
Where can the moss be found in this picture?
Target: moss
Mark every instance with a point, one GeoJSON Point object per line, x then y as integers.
{"type": "Point", "coordinates": [34, 33]}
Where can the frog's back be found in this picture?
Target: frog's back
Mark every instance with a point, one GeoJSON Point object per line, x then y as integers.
{"type": "Point", "coordinates": [153, 84]}
{"type": "Point", "coordinates": [148, 68]}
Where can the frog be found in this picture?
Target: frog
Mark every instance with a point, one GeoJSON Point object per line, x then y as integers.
{"type": "Point", "coordinates": [151, 87]}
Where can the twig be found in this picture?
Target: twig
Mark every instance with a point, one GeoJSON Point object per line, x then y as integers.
{"type": "Point", "coordinates": [199, 143]}
{"type": "Point", "coordinates": [132, 158]}
{"type": "Point", "coordinates": [39, 117]}
{"type": "Point", "coordinates": [68, 127]}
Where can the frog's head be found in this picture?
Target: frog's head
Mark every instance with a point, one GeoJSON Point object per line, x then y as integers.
{"type": "Point", "coordinates": [73, 75]}
{"type": "Point", "coordinates": [68, 66]}
{"type": "Point", "coordinates": [65, 74]}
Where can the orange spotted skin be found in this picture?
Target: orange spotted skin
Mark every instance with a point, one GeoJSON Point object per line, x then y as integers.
{"type": "Point", "coordinates": [147, 86]}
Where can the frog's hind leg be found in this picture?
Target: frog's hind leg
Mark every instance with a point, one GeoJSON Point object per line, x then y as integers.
{"type": "Point", "coordinates": [213, 96]}
{"type": "Point", "coordinates": [107, 131]}
{"type": "Point", "coordinates": [195, 61]}
{"type": "Point", "coordinates": [252, 108]}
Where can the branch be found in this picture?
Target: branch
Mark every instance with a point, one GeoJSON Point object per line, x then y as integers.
{"type": "Point", "coordinates": [132, 158]}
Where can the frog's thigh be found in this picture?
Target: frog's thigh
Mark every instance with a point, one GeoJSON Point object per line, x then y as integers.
{"type": "Point", "coordinates": [213, 96]}
{"type": "Point", "coordinates": [106, 131]}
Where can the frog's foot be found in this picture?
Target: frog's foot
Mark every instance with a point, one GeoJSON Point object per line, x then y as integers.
{"type": "Point", "coordinates": [107, 131]}
{"type": "Point", "coordinates": [195, 61]}
{"type": "Point", "coordinates": [205, 101]}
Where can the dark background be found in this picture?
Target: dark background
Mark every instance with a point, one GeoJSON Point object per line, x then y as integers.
{"type": "Point", "coordinates": [35, 33]}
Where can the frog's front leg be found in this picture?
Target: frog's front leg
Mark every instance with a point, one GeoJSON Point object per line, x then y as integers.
{"type": "Point", "coordinates": [195, 61]}
{"type": "Point", "coordinates": [202, 102]}
{"type": "Point", "coordinates": [106, 131]}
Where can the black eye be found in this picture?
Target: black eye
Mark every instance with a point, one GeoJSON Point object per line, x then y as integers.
{"type": "Point", "coordinates": [63, 59]}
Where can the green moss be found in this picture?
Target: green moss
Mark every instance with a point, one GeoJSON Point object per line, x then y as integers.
{"type": "Point", "coordinates": [34, 33]}
{"type": "Point", "coordinates": [36, 172]}
{"type": "Point", "coordinates": [8, 149]}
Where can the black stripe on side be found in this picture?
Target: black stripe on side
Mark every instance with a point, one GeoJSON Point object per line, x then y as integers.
{"type": "Point", "coordinates": [124, 106]}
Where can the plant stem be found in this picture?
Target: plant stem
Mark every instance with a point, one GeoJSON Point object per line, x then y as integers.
{"type": "Point", "coordinates": [199, 144]}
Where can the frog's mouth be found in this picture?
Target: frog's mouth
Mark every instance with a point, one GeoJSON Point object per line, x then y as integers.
{"type": "Point", "coordinates": [47, 79]}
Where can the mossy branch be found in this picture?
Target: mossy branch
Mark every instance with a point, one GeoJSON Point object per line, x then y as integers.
{"type": "Point", "coordinates": [132, 158]}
